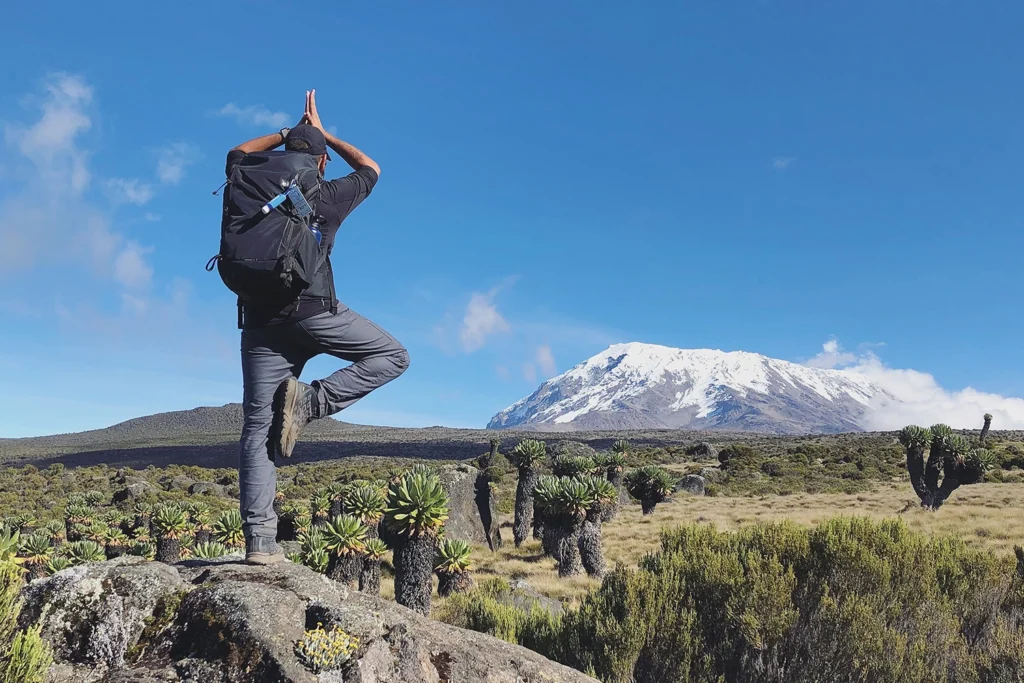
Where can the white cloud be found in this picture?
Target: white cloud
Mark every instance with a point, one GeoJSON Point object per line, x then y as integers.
{"type": "Point", "coordinates": [130, 267]}
{"type": "Point", "coordinates": [832, 356]}
{"type": "Point", "coordinates": [783, 163]}
{"type": "Point", "coordinates": [51, 199]}
{"type": "Point", "coordinates": [174, 158]}
{"type": "Point", "coordinates": [501, 371]}
{"type": "Point", "coordinates": [124, 191]}
{"type": "Point", "coordinates": [915, 397]}
{"type": "Point", "coordinates": [255, 115]}
{"type": "Point", "coordinates": [481, 321]}
{"type": "Point", "coordinates": [546, 361]}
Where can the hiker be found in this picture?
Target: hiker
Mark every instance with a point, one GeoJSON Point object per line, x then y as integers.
{"type": "Point", "coordinates": [282, 331]}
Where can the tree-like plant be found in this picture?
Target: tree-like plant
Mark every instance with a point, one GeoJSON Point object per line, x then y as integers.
{"type": "Point", "coordinates": [56, 530]}
{"type": "Point", "coordinates": [170, 524]}
{"type": "Point", "coordinates": [279, 503]}
{"type": "Point", "coordinates": [573, 500]}
{"type": "Point", "coordinates": [320, 506]}
{"type": "Point", "coordinates": [303, 523]}
{"type": "Point", "coordinates": [985, 427]}
{"type": "Point", "coordinates": [82, 552]}
{"type": "Point", "coordinates": [336, 493]}
{"type": "Point", "coordinates": [622, 447]}
{"type": "Point", "coordinates": [453, 567]}
{"type": "Point", "coordinates": [76, 517]}
{"type": "Point", "coordinates": [202, 526]}
{"type": "Point", "coordinates": [650, 485]}
{"type": "Point", "coordinates": [545, 495]}
{"type": "Point", "coordinates": [313, 549]}
{"type": "Point", "coordinates": [417, 509]}
{"type": "Point", "coordinates": [24, 523]}
{"type": "Point", "coordinates": [950, 458]}
{"type": "Point", "coordinates": [228, 529]}
{"type": "Point", "coordinates": [369, 577]}
{"type": "Point", "coordinates": [116, 519]}
{"type": "Point", "coordinates": [345, 536]}
{"type": "Point", "coordinates": [613, 464]}
{"type": "Point", "coordinates": [366, 502]}
{"type": "Point", "coordinates": [286, 522]}
{"type": "Point", "coordinates": [209, 550]}
{"type": "Point", "coordinates": [526, 456]}
{"type": "Point", "coordinates": [604, 495]}
{"type": "Point", "coordinates": [143, 514]}
{"type": "Point", "coordinates": [37, 551]}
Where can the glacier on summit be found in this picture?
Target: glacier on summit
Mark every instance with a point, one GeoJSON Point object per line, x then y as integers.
{"type": "Point", "coordinates": [647, 386]}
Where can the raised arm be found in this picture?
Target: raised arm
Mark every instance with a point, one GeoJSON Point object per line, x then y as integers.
{"type": "Point", "coordinates": [352, 155]}
{"type": "Point", "coordinates": [262, 143]}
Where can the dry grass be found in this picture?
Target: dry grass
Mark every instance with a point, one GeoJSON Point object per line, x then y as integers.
{"type": "Point", "coordinates": [986, 515]}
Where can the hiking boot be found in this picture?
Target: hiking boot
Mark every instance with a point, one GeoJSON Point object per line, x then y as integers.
{"type": "Point", "coordinates": [293, 410]}
{"type": "Point", "coordinates": [263, 551]}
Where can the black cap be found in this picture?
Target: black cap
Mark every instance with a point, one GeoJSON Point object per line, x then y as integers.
{"type": "Point", "coordinates": [306, 138]}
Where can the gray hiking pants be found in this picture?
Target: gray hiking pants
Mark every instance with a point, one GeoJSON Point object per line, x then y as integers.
{"type": "Point", "coordinates": [270, 355]}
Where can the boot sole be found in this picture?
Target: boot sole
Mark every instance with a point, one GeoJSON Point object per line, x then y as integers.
{"type": "Point", "coordinates": [288, 433]}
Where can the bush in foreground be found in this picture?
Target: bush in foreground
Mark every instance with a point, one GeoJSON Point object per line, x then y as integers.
{"type": "Point", "coordinates": [851, 600]}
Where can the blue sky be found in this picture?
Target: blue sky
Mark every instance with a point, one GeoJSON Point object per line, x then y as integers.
{"type": "Point", "coordinates": [557, 177]}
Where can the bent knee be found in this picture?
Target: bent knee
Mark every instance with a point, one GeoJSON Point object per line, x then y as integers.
{"type": "Point", "coordinates": [401, 359]}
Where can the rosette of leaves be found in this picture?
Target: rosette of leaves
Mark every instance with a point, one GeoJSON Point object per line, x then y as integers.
{"type": "Point", "coordinates": [117, 543]}
{"type": "Point", "coordinates": [303, 523]}
{"type": "Point", "coordinates": [116, 519]}
{"type": "Point", "coordinates": [10, 541]}
{"type": "Point", "coordinates": [345, 536]}
{"type": "Point", "coordinates": [320, 506]}
{"type": "Point", "coordinates": [621, 446]}
{"type": "Point", "coordinates": [209, 550]}
{"type": "Point", "coordinates": [228, 529]}
{"type": "Point", "coordinates": [573, 466]}
{"type": "Point", "coordinates": [188, 545]}
{"type": "Point", "coordinates": [367, 503]}
{"type": "Point", "coordinates": [453, 567]}
{"type": "Point", "coordinates": [83, 552]}
{"type": "Point", "coordinates": [56, 564]}
{"type": "Point", "coordinates": [170, 524]}
{"type": "Point", "coordinates": [97, 532]}
{"type": "Point", "coordinates": [337, 493]}
{"type": "Point", "coordinates": [369, 577]}
{"type": "Point", "coordinates": [417, 507]}
{"type": "Point", "coordinates": [143, 549]}
{"type": "Point", "coordinates": [650, 485]}
{"type": "Point", "coordinates": [56, 531]}
{"type": "Point", "coordinates": [323, 650]}
{"type": "Point", "coordinates": [36, 551]}
{"type": "Point", "coordinates": [527, 456]}
{"type": "Point", "coordinates": [24, 523]}
{"type": "Point", "coordinates": [94, 497]}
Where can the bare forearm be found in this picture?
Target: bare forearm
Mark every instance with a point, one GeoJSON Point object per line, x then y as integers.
{"type": "Point", "coordinates": [262, 143]}
{"type": "Point", "coordinates": [352, 155]}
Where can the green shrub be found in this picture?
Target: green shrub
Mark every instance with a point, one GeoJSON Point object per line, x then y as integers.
{"type": "Point", "coordinates": [481, 610]}
{"type": "Point", "coordinates": [24, 656]}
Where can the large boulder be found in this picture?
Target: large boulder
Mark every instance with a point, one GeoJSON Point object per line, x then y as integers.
{"type": "Point", "coordinates": [201, 487]}
{"type": "Point", "coordinates": [473, 516]}
{"type": "Point", "coordinates": [693, 484]}
{"type": "Point", "coordinates": [702, 451]}
{"type": "Point", "coordinates": [240, 623]}
{"type": "Point", "coordinates": [95, 613]}
{"type": "Point", "coordinates": [133, 492]}
{"type": "Point", "coordinates": [524, 596]}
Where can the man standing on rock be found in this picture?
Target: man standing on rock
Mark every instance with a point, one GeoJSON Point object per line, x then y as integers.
{"type": "Point", "coordinates": [279, 337]}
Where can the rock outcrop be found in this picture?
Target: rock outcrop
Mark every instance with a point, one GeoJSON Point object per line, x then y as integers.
{"type": "Point", "coordinates": [226, 622]}
{"type": "Point", "coordinates": [693, 484]}
{"type": "Point", "coordinates": [473, 516]}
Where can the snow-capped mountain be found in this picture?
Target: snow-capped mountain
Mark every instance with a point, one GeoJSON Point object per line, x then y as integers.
{"type": "Point", "coordinates": [645, 386]}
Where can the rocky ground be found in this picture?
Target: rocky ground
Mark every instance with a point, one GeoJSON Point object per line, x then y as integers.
{"type": "Point", "coordinates": [227, 622]}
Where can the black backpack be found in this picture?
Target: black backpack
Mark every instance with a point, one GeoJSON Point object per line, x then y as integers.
{"type": "Point", "coordinates": [268, 256]}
